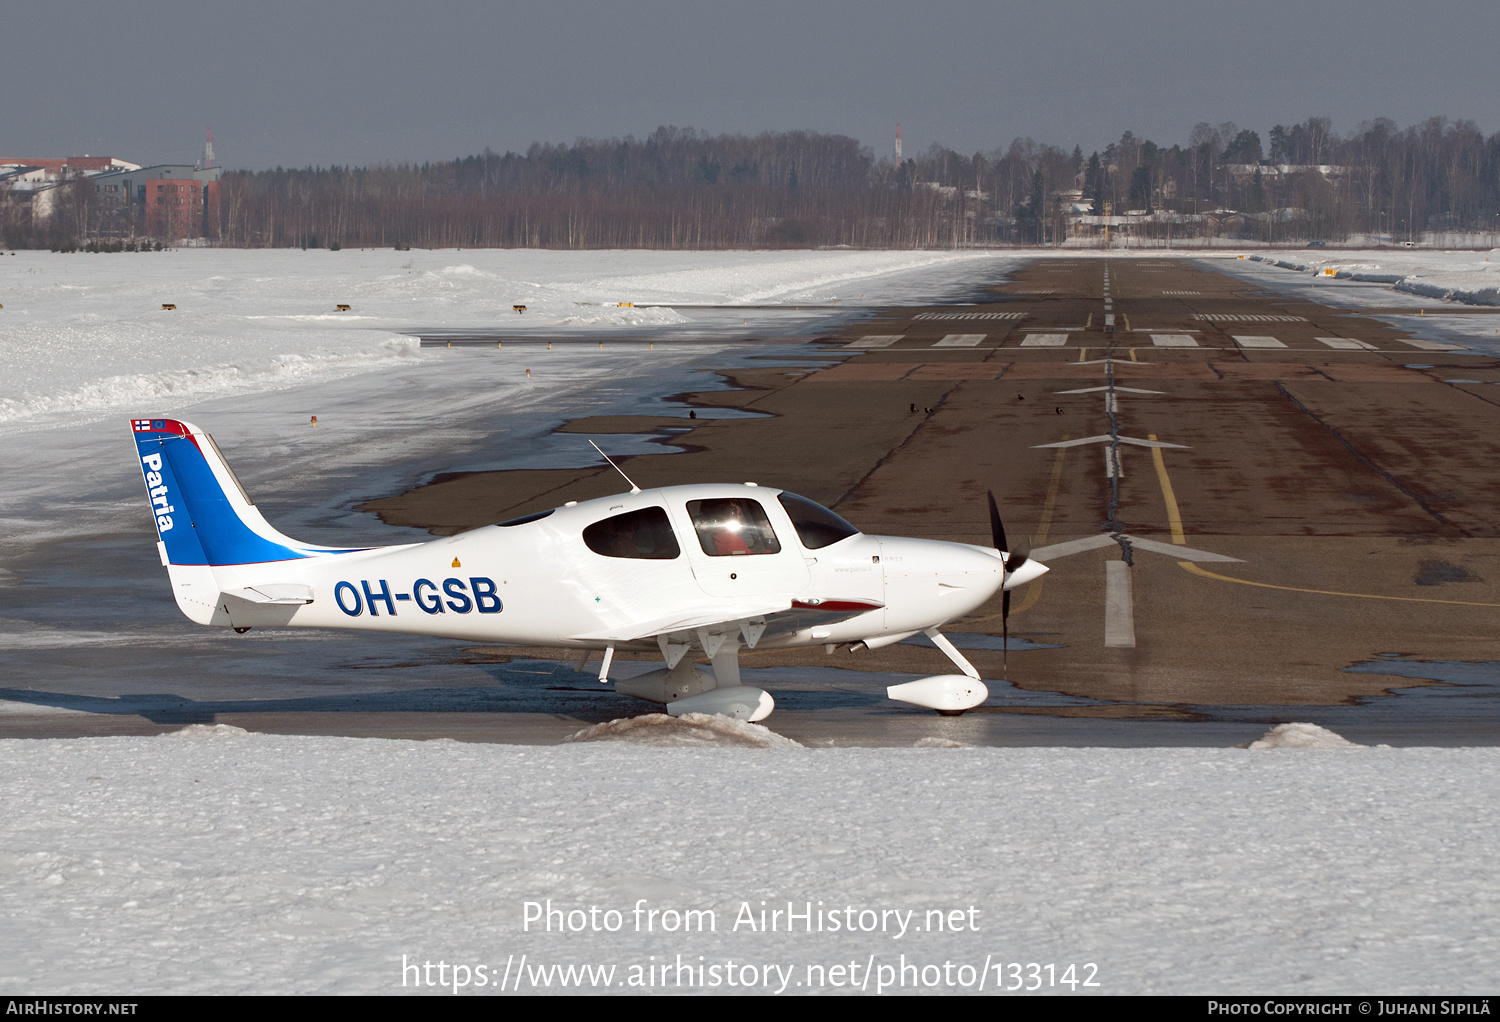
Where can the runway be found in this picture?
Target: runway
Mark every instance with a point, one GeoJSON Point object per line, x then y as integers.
{"type": "Point", "coordinates": [1257, 506]}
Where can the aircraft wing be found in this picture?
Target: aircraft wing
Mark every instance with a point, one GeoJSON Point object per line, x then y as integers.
{"type": "Point", "coordinates": [650, 628]}
{"type": "Point", "coordinates": [755, 620]}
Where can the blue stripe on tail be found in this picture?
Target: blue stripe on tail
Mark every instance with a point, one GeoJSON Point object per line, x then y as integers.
{"type": "Point", "coordinates": [194, 517]}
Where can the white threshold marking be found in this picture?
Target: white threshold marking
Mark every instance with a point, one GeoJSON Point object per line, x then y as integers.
{"type": "Point", "coordinates": [1345, 343]}
{"type": "Point", "coordinates": [1173, 341]}
{"type": "Point", "coordinates": [875, 341]}
{"type": "Point", "coordinates": [1044, 341]}
{"type": "Point", "coordinates": [1257, 342]}
{"type": "Point", "coordinates": [1119, 613]}
{"type": "Point", "coordinates": [969, 315]}
{"type": "Point", "coordinates": [1417, 342]}
{"type": "Point", "coordinates": [961, 341]}
{"type": "Point", "coordinates": [1214, 317]}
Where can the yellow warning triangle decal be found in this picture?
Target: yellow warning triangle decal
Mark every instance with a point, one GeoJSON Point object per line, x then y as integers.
{"type": "Point", "coordinates": [456, 564]}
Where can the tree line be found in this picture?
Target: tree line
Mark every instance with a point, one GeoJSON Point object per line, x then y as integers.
{"type": "Point", "coordinates": [679, 188]}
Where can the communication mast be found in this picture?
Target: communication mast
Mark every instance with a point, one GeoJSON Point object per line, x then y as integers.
{"type": "Point", "coordinates": [898, 145]}
{"type": "Point", "coordinates": [208, 150]}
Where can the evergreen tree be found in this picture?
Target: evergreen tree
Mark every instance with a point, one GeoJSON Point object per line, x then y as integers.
{"type": "Point", "coordinates": [1094, 182]}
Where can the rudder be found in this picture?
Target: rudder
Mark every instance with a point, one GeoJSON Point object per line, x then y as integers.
{"type": "Point", "coordinates": [202, 514]}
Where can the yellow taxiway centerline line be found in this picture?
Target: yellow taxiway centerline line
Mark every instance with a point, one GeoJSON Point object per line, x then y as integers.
{"type": "Point", "coordinates": [1174, 519]}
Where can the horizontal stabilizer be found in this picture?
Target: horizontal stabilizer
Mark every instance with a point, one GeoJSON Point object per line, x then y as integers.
{"type": "Point", "coordinates": [281, 594]}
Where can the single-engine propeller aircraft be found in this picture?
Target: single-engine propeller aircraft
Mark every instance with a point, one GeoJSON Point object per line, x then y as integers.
{"type": "Point", "coordinates": [711, 567]}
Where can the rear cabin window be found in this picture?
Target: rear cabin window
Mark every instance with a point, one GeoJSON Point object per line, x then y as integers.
{"type": "Point", "coordinates": [732, 526]}
{"type": "Point", "coordinates": [645, 535]}
{"type": "Point", "coordinates": [816, 526]}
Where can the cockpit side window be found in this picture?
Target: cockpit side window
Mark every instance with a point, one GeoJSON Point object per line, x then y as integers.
{"type": "Point", "coordinates": [644, 535]}
{"type": "Point", "coordinates": [816, 526]}
{"type": "Point", "coordinates": [732, 526]}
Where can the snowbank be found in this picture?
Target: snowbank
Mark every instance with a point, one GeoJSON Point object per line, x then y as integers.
{"type": "Point", "coordinates": [1471, 277]}
{"type": "Point", "coordinates": [691, 729]}
{"type": "Point", "coordinates": [1302, 736]}
{"type": "Point", "coordinates": [268, 864]}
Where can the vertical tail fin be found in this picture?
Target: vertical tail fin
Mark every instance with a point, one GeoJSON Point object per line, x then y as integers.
{"type": "Point", "coordinates": [203, 515]}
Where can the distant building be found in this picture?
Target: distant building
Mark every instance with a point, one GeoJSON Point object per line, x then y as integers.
{"type": "Point", "coordinates": [33, 180]}
{"type": "Point", "coordinates": [60, 167]}
{"type": "Point", "coordinates": [170, 201]}
{"type": "Point", "coordinates": [1268, 170]}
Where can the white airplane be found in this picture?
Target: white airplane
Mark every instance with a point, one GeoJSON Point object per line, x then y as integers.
{"type": "Point", "coordinates": [710, 567]}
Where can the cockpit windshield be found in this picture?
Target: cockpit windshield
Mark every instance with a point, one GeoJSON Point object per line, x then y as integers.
{"type": "Point", "coordinates": [816, 526]}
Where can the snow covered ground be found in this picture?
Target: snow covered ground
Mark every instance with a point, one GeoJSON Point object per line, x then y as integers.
{"type": "Point", "coordinates": [259, 864]}
{"type": "Point", "coordinates": [86, 333]}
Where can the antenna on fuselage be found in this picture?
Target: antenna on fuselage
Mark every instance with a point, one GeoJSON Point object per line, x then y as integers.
{"type": "Point", "coordinates": [633, 487]}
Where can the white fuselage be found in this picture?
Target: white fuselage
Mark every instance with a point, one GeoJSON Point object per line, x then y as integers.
{"type": "Point", "coordinates": [538, 583]}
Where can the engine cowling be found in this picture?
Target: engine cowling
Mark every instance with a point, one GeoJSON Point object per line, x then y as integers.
{"type": "Point", "coordinates": [949, 694]}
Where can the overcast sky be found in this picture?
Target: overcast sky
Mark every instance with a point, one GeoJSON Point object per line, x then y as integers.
{"type": "Point", "coordinates": [294, 83]}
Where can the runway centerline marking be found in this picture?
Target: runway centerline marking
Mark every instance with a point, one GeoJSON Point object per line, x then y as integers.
{"type": "Point", "coordinates": [1119, 613]}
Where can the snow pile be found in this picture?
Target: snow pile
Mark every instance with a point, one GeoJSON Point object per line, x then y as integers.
{"type": "Point", "coordinates": [690, 729]}
{"type": "Point", "coordinates": [176, 387]}
{"type": "Point", "coordinates": [938, 743]}
{"type": "Point", "coordinates": [207, 731]}
{"type": "Point", "coordinates": [1472, 277]}
{"type": "Point", "coordinates": [1302, 736]}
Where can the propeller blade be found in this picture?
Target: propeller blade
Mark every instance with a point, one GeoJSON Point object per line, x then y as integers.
{"type": "Point", "coordinates": [1005, 634]}
{"type": "Point", "coordinates": [997, 530]}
